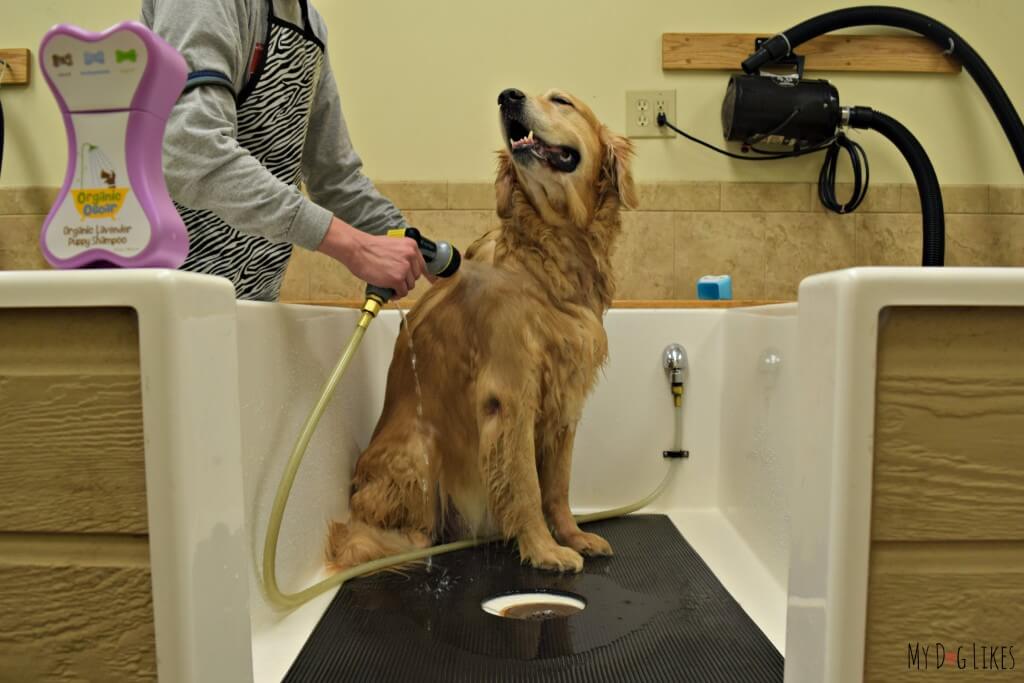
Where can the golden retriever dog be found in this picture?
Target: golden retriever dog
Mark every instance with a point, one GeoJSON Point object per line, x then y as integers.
{"type": "Point", "coordinates": [506, 351]}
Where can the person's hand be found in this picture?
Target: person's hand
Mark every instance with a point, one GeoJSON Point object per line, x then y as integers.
{"type": "Point", "coordinates": [382, 261]}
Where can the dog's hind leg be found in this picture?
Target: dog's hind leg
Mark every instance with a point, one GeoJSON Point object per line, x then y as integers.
{"type": "Point", "coordinates": [509, 470]}
{"type": "Point", "coordinates": [392, 507]}
{"type": "Point", "coordinates": [355, 543]}
{"type": "Point", "coordinates": [555, 468]}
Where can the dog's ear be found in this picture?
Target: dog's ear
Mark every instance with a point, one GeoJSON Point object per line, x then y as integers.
{"type": "Point", "coordinates": [618, 166]}
{"type": "Point", "coordinates": [504, 184]}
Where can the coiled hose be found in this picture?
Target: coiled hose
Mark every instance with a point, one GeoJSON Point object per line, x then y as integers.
{"type": "Point", "coordinates": [946, 38]}
{"type": "Point", "coordinates": [284, 488]}
{"type": "Point", "coordinates": [932, 214]}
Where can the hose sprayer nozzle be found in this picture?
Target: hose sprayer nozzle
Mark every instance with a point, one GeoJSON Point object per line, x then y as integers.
{"type": "Point", "coordinates": [442, 259]}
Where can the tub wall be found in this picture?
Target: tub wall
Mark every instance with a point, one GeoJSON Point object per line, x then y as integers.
{"type": "Point", "coordinates": [758, 430]}
{"type": "Point", "coordinates": [628, 421]}
{"type": "Point", "coordinates": [285, 354]}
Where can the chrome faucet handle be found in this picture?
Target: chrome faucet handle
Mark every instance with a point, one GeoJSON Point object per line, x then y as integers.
{"type": "Point", "coordinates": [675, 362]}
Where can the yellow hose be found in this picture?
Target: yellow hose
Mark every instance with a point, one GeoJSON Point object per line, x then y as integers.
{"type": "Point", "coordinates": [284, 488]}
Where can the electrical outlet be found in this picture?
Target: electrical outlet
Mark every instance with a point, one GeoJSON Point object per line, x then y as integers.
{"type": "Point", "coordinates": [642, 109]}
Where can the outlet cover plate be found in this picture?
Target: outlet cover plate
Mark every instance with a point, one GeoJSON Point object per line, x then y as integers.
{"type": "Point", "coordinates": [642, 108]}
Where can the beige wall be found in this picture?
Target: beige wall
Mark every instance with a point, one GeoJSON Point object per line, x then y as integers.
{"type": "Point", "coordinates": [419, 82]}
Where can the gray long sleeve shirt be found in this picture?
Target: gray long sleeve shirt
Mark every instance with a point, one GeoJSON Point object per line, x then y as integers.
{"type": "Point", "coordinates": [205, 166]}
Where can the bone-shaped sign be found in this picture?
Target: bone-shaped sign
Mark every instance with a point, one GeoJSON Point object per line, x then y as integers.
{"type": "Point", "coordinates": [114, 207]}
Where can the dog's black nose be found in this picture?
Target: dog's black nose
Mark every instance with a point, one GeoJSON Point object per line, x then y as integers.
{"type": "Point", "coordinates": [510, 96]}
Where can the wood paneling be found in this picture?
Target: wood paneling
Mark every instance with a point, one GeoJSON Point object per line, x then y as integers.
{"type": "Point", "coordinates": [71, 442]}
{"type": "Point", "coordinates": [75, 609]}
{"type": "Point", "coordinates": [947, 551]}
{"type": "Point", "coordinates": [960, 595]}
{"type": "Point", "coordinates": [949, 425]}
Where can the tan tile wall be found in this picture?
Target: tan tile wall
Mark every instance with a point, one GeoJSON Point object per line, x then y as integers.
{"type": "Point", "coordinates": [22, 211]}
{"type": "Point", "coordinates": [768, 236]}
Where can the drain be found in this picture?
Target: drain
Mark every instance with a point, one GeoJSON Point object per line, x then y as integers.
{"type": "Point", "coordinates": [534, 606]}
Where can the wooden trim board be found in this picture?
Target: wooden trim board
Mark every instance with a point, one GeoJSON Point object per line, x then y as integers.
{"type": "Point", "coordinates": [624, 303]}
{"type": "Point", "coordinates": [18, 61]}
{"type": "Point", "coordinates": [871, 53]}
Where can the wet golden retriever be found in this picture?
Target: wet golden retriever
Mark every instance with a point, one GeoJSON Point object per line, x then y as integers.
{"type": "Point", "coordinates": [507, 352]}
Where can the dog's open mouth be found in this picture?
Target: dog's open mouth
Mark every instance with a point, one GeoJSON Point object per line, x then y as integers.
{"type": "Point", "coordinates": [522, 141]}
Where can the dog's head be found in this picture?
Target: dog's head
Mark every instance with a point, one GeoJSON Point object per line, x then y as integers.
{"type": "Point", "coordinates": [565, 161]}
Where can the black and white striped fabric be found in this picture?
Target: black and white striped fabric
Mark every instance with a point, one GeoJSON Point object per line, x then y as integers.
{"type": "Point", "coordinates": [273, 112]}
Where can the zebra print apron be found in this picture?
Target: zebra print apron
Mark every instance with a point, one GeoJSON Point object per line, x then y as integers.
{"type": "Point", "coordinates": [273, 113]}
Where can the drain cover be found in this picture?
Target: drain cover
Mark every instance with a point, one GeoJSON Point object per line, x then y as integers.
{"type": "Point", "coordinates": [535, 606]}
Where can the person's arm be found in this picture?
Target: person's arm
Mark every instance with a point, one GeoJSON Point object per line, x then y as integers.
{"type": "Point", "coordinates": [204, 165]}
{"type": "Point", "coordinates": [333, 171]}
{"type": "Point", "coordinates": [206, 168]}
{"type": "Point", "coordinates": [333, 174]}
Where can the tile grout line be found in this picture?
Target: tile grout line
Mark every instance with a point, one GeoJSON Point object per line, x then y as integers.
{"type": "Point", "coordinates": [764, 265]}
{"type": "Point", "coordinates": [675, 257]}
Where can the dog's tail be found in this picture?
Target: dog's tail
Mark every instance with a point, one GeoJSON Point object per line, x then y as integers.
{"type": "Point", "coordinates": [355, 543]}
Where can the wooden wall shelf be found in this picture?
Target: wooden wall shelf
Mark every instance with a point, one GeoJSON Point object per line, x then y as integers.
{"type": "Point", "coordinates": [868, 53]}
{"type": "Point", "coordinates": [17, 71]}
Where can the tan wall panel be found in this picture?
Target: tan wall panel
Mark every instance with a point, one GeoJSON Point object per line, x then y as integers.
{"type": "Point", "coordinates": [71, 441]}
{"type": "Point", "coordinates": [956, 594]}
{"type": "Point", "coordinates": [949, 426]}
{"type": "Point", "coordinates": [75, 610]}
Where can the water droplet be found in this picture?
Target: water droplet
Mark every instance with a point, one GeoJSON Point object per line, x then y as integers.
{"type": "Point", "coordinates": [419, 405]}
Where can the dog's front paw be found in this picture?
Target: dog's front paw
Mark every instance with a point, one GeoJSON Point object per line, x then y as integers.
{"type": "Point", "coordinates": [553, 557]}
{"type": "Point", "coordinates": [588, 544]}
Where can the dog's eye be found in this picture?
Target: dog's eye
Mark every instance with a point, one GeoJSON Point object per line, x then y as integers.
{"type": "Point", "coordinates": [565, 157]}
{"type": "Point", "coordinates": [561, 100]}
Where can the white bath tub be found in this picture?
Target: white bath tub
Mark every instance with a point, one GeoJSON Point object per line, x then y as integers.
{"type": "Point", "coordinates": [729, 499]}
{"type": "Point", "coordinates": [226, 386]}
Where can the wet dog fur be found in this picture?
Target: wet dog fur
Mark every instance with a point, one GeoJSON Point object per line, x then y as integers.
{"type": "Point", "coordinates": [507, 352]}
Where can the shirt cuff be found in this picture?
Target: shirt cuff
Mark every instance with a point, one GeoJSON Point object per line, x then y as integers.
{"type": "Point", "coordinates": [310, 225]}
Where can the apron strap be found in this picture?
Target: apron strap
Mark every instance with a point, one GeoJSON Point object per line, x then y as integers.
{"type": "Point", "coordinates": [208, 77]}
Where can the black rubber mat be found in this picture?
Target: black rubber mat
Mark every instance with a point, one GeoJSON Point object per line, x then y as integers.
{"type": "Point", "coordinates": [654, 612]}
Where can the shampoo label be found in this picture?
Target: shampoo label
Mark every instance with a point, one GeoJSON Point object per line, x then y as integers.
{"type": "Point", "coordinates": [99, 211]}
